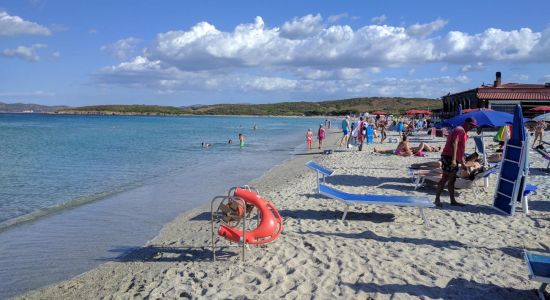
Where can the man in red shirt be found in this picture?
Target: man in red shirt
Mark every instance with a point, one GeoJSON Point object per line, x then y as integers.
{"type": "Point", "coordinates": [451, 156]}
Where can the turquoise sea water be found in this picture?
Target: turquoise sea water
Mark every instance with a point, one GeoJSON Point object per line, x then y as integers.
{"type": "Point", "coordinates": [92, 184]}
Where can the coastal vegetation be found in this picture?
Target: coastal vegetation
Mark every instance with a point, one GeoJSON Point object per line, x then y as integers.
{"type": "Point", "coordinates": [393, 105]}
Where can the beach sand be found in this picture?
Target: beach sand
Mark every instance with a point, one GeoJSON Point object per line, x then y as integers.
{"type": "Point", "coordinates": [379, 252]}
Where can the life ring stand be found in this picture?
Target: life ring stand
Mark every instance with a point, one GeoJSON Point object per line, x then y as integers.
{"type": "Point", "coordinates": [237, 206]}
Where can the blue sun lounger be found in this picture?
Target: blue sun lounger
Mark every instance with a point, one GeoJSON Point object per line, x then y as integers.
{"type": "Point", "coordinates": [320, 171]}
{"type": "Point", "coordinates": [539, 269]}
{"type": "Point", "coordinates": [351, 199]}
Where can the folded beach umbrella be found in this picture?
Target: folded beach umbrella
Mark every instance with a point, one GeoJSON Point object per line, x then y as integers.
{"type": "Point", "coordinates": [518, 126]}
{"type": "Point", "coordinates": [459, 110]}
{"type": "Point", "coordinates": [484, 118]}
{"type": "Point", "coordinates": [545, 117]}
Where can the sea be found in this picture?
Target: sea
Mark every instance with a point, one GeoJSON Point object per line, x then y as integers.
{"type": "Point", "coordinates": [80, 190]}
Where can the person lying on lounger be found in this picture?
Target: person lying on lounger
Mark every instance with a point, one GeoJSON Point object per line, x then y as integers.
{"type": "Point", "coordinates": [473, 168]}
{"type": "Point", "coordinates": [404, 148]}
{"type": "Point", "coordinates": [472, 160]}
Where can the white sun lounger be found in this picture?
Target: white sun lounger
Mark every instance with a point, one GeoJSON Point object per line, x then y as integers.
{"type": "Point", "coordinates": [320, 171]}
{"type": "Point", "coordinates": [539, 269]}
{"type": "Point", "coordinates": [351, 199]}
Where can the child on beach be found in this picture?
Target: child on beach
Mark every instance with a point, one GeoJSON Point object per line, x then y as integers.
{"type": "Point", "coordinates": [309, 138]}
{"type": "Point", "coordinates": [241, 140]}
{"type": "Point", "coordinates": [321, 135]}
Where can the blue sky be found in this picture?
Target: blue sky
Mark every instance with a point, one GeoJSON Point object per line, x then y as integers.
{"type": "Point", "coordinates": [202, 52]}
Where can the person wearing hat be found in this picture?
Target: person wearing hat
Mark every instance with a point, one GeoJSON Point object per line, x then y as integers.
{"type": "Point", "coordinates": [451, 157]}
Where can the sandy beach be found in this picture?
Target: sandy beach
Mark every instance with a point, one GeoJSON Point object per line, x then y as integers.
{"type": "Point", "coordinates": [379, 252]}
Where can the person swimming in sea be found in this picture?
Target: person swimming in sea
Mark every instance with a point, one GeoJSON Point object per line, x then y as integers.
{"type": "Point", "coordinates": [241, 140]}
{"type": "Point", "coordinates": [205, 145]}
{"type": "Point", "coordinates": [230, 141]}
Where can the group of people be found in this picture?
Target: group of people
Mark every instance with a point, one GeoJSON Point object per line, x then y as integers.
{"type": "Point", "coordinates": [229, 142]}
{"type": "Point", "coordinates": [321, 135]}
{"type": "Point", "coordinates": [452, 164]}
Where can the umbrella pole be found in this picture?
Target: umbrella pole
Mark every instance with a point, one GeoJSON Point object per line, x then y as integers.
{"type": "Point", "coordinates": [485, 163]}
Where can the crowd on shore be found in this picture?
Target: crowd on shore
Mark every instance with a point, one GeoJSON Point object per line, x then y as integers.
{"type": "Point", "coordinates": [453, 163]}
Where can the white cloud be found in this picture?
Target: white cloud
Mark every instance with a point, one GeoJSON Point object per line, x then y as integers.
{"type": "Point", "coordinates": [426, 29]}
{"type": "Point", "coordinates": [14, 25]}
{"type": "Point", "coordinates": [56, 54]}
{"type": "Point", "coordinates": [38, 93]}
{"type": "Point", "coordinates": [493, 45]}
{"type": "Point", "coordinates": [300, 28]}
{"type": "Point", "coordinates": [307, 55]}
{"type": "Point", "coordinates": [92, 31]}
{"type": "Point", "coordinates": [422, 87]}
{"type": "Point", "coordinates": [546, 78]}
{"type": "Point", "coordinates": [342, 16]}
{"type": "Point", "coordinates": [121, 49]}
{"type": "Point", "coordinates": [479, 66]}
{"type": "Point", "coordinates": [522, 77]}
{"type": "Point", "coordinates": [23, 52]}
{"type": "Point", "coordinates": [379, 19]}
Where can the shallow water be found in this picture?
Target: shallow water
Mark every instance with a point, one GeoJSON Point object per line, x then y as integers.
{"type": "Point", "coordinates": [93, 186]}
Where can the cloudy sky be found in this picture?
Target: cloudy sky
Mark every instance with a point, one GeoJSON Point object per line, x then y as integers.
{"type": "Point", "coordinates": [202, 52]}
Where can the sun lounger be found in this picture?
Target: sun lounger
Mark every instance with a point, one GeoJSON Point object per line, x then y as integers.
{"type": "Point", "coordinates": [539, 269]}
{"type": "Point", "coordinates": [320, 171]}
{"type": "Point", "coordinates": [351, 199]}
{"type": "Point", "coordinates": [420, 178]}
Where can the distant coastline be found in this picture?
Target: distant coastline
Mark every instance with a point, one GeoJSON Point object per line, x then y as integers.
{"type": "Point", "coordinates": [322, 108]}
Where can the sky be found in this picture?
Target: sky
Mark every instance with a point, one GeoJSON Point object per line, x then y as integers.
{"type": "Point", "coordinates": [182, 53]}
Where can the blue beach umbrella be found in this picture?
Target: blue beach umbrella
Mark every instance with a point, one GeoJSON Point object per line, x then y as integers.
{"type": "Point", "coordinates": [484, 118]}
{"type": "Point", "coordinates": [518, 127]}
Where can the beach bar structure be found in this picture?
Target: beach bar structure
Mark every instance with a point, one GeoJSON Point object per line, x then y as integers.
{"type": "Point", "coordinates": [499, 96]}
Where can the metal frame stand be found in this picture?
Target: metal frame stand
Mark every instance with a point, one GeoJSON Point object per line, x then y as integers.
{"type": "Point", "coordinates": [216, 216]}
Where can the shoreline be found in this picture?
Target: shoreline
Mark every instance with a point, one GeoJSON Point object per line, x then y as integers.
{"type": "Point", "coordinates": [378, 252]}
{"type": "Point", "coordinates": [276, 175]}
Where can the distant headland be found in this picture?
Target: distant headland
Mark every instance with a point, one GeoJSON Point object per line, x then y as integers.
{"type": "Point", "coordinates": [356, 106]}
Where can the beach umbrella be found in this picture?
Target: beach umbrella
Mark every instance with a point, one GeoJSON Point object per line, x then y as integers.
{"type": "Point", "coordinates": [459, 110]}
{"type": "Point", "coordinates": [467, 110]}
{"type": "Point", "coordinates": [484, 118]}
{"type": "Point", "coordinates": [545, 117]}
{"type": "Point", "coordinates": [412, 112]}
{"type": "Point", "coordinates": [379, 113]}
{"type": "Point", "coordinates": [541, 108]}
{"type": "Point", "coordinates": [425, 112]}
{"type": "Point", "coordinates": [418, 112]}
{"type": "Point", "coordinates": [518, 127]}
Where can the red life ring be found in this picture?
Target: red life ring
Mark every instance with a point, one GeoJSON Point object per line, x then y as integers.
{"type": "Point", "coordinates": [269, 227]}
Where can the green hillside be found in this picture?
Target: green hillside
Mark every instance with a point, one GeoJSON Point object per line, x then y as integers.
{"type": "Point", "coordinates": [335, 107]}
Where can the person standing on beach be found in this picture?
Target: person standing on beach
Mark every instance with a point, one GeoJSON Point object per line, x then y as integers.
{"type": "Point", "coordinates": [361, 133]}
{"type": "Point", "coordinates": [309, 138]}
{"type": "Point", "coordinates": [346, 130]}
{"type": "Point", "coordinates": [383, 134]}
{"type": "Point", "coordinates": [321, 135]}
{"type": "Point", "coordinates": [539, 131]}
{"type": "Point", "coordinates": [451, 156]}
{"type": "Point", "coordinates": [241, 140]}
{"type": "Point", "coordinates": [400, 126]}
